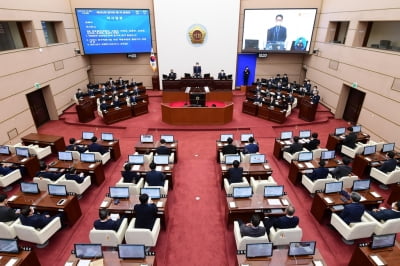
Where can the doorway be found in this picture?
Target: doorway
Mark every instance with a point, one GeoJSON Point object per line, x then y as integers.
{"type": "Point", "coordinates": [38, 107]}
{"type": "Point", "coordinates": [354, 102]}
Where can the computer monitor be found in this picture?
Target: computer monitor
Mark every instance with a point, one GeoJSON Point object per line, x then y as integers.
{"type": "Point", "coordinates": [153, 192]}
{"type": "Point", "coordinates": [340, 131]}
{"type": "Point", "coordinates": [230, 158]}
{"type": "Point", "coordinates": [259, 250]}
{"type": "Point", "coordinates": [146, 139]}
{"type": "Point", "coordinates": [327, 155]}
{"type": "Point", "coordinates": [65, 156]}
{"type": "Point", "coordinates": [57, 190]}
{"type": "Point", "coordinates": [207, 75]}
{"type": "Point", "coordinates": [370, 149]}
{"type": "Point", "coordinates": [187, 75]}
{"type": "Point", "coordinates": [9, 246]}
{"type": "Point", "coordinates": [88, 157]}
{"type": "Point", "coordinates": [87, 135]}
{"type": "Point", "coordinates": [302, 248]}
{"type": "Point", "coordinates": [305, 134]}
{"type": "Point", "coordinates": [242, 192]}
{"type": "Point", "coordinates": [130, 251]}
{"type": "Point", "coordinates": [357, 129]}
{"type": "Point", "coordinates": [273, 191]}
{"type": "Point", "coordinates": [136, 159]}
{"type": "Point", "coordinates": [333, 187]}
{"type": "Point", "coordinates": [119, 192]}
{"type": "Point", "coordinates": [245, 137]}
{"type": "Point", "coordinates": [305, 156]}
{"type": "Point", "coordinates": [361, 184]}
{"type": "Point", "coordinates": [24, 152]}
{"type": "Point", "coordinates": [4, 150]}
{"type": "Point", "coordinates": [164, 76]}
{"type": "Point", "coordinates": [31, 188]}
{"type": "Point", "coordinates": [286, 135]}
{"type": "Point", "coordinates": [257, 158]}
{"type": "Point", "coordinates": [388, 147]}
{"type": "Point", "coordinates": [383, 241]}
{"type": "Point", "coordinates": [225, 137]}
{"type": "Point", "coordinates": [161, 159]}
{"type": "Point", "coordinates": [107, 136]}
{"type": "Point", "coordinates": [167, 138]}
{"type": "Point", "coordinates": [88, 251]}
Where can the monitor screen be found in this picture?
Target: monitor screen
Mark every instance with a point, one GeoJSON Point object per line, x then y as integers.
{"type": "Point", "coordinates": [88, 157]}
{"type": "Point", "coordinates": [303, 248]}
{"type": "Point", "coordinates": [22, 151]}
{"type": "Point", "coordinates": [153, 192]}
{"type": "Point", "coordinates": [136, 159]}
{"type": "Point", "coordinates": [146, 138]}
{"type": "Point", "coordinates": [88, 251]}
{"type": "Point", "coordinates": [259, 250]}
{"type": "Point", "coordinates": [333, 187]}
{"type": "Point", "coordinates": [368, 150]}
{"type": "Point", "coordinates": [230, 158]}
{"type": "Point", "coordinates": [356, 129]}
{"type": "Point", "coordinates": [161, 159]}
{"type": "Point", "coordinates": [383, 241]}
{"type": "Point", "coordinates": [278, 30]}
{"type": "Point", "coordinates": [224, 137]}
{"type": "Point", "coordinates": [65, 156]}
{"type": "Point", "coordinates": [31, 188]}
{"type": "Point", "coordinates": [119, 192]}
{"type": "Point", "coordinates": [245, 137]}
{"type": "Point", "coordinates": [273, 191]}
{"type": "Point", "coordinates": [340, 131]}
{"type": "Point", "coordinates": [130, 251]}
{"type": "Point", "coordinates": [9, 246]}
{"type": "Point", "coordinates": [305, 156]}
{"type": "Point", "coordinates": [114, 31]}
{"type": "Point", "coordinates": [286, 135]}
{"type": "Point", "coordinates": [388, 147]}
{"type": "Point", "coordinates": [327, 155]}
{"type": "Point", "coordinates": [242, 192]}
{"type": "Point", "coordinates": [5, 150]}
{"type": "Point", "coordinates": [57, 190]}
{"type": "Point", "coordinates": [257, 158]}
{"type": "Point", "coordinates": [87, 135]}
{"type": "Point", "coordinates": [305, 134]}
{"type": "Point", "coordinates": [107, 136]}
{"type": "Point", "coordinates": [167, 138]}
{"type": "Point", "coordinates": [361, 184]}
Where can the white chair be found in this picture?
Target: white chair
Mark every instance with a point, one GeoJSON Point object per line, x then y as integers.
{"type": "Point", "coordinates": [75, 187]}
{"type": "Point", "coordinates": [241, 241]}
{"type": "Point", "coordinates": [386, 178]}
{"type": "Point", "coordinates": [134, 189]}
{"type": "Point", "coordinates": [39, 152]}
{"type": "Point", "coordinates": [289, 110]}
{"type": "Point", "coordinates": [142, 236]}
{"type": "Point", "coordinates": [379, 145]}
{"type": "Point", "coordinates": [99, 112]}
{"type": "Point", "coordinates": [43, 182]}
{"type": "Point", "coordinates": [103, 158]}
{"type": "Point", "coordinates": [352, 152]}
{"type": "Point", "coordinates": [258, 185]}
{"type": "Point", "coordinates": [348, 180]}
{"type": "Point", "coordinates": [163, 189]}
{"type": "Point", "coordinates": [7, 180]}
{"type": "Point", "coordinates": [39, 237]}
{"type": "Point", "coordinates": [7, 229]}
{"type": "Point", "coordinates": [281, 237]}
{"type": "Point", "coordinates": [390, 226]}
{"type": "Point", "coordinates": [313, 186]}
{"type": "Point", "coordinates": [358, 230]}
{"type": "Point", "coordinates": [317, 152]}
{"type": "Point", "coordinates": [290, 157]}
{"type": "Point", "coordinates": [76, 155]}
{"type": "Point", "coordinates": [11, 148]}
{"type": "Point", "coordinates": [148, 158]}
{"type": "Point", "coordinates": [229, 187]}
{"type": "Point", "coordinates": [294, 104]}
{"type": "Point", "coordinates": [109, 238]}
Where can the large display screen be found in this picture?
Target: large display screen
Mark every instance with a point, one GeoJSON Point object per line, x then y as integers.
{"type": "Point", "coordinates": [114, 31]}
{"type": "Point", "coordinates": [278, 30]}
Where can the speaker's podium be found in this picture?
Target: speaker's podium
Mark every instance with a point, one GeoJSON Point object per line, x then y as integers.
{"type": "Point", "coordinates": [197, 96]}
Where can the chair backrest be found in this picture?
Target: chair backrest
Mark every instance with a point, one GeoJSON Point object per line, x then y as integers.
{"type": "Point", "coordinates": [30, 234]}
{"type": "Point", "coordinates": [7, 230]}
{"type": "Point", "coordinates": [284, 236]}
{"type": "Point", "coordinates": [317, 152]}
{"type": "Point", "coordinates": [109, 238]}
{"type": "Point", "coordinates": [388, 227]}
{"type": "Point", "coordinates": [229, 187]}
{"type": "Point", "coordinates": [258, 185]}
{"type": "Point", "coordinates": [348, 180]}
{"type": "Point", "coordinates": [134, 189]}
{"type": "Point", "coordinates": [142, 236]}
{"type": "Point", "coordinates": [241, 241]}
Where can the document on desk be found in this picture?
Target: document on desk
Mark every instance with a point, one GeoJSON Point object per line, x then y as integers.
{"type": "Point", "coordinates": [69, 263]}
{"type": "Point", "coordinates": [362, 198]}
{"type": "Point", "coordinates": [288, 142]}
{"type": "Point", "coordinates": [232, 204]}
{"type": "Point", "coordinates": [158, 168]}
{"type": "Point", "coordinates": [309, 165]}
{"type": "Point", "coordinates": [136, 167]}
{"type": "Point", "coordinates": [84, 262]}
{"type": "Point", "coordinates": [376, 195]}
{"type": "Point", "coordinates": [159, 204]}
{"type": "Point", "coordinates": [223, 167]}
{"type": "Point", "coordinates": [12, 262]}
{"type": "Point", "coordinates": [377, 260]}
{"type": "Point", "coordinates": [327, 199]}
{"type": "Point", "coordinates": [274, 202]}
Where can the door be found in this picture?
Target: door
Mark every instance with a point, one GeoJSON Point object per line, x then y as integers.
{"type": "Point", "coordinates": [353, 105]}
{"type": "Point", "coordinates": [38, 107]}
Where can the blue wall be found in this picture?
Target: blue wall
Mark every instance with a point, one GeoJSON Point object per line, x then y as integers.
{"type": "Point", "coordinates": [244, 60]}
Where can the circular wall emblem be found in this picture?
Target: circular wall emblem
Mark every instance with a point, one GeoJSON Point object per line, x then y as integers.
{"type": "Point", "coordinates": [197, 34]}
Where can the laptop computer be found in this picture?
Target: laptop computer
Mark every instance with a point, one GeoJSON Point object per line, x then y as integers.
{"type": "Point", "coordinates": [131, 251]}
{"type": "Point", "coordinates": [9, 246]}
{"type": "Point", "coordinates": [146, 138]}
{"type": "Point", "coordinates": [136, 159]}
{"type": "Point", "coordinates": [230, 158]}
{"type": "Point", "coordinates": [87, 135]}
{"type": "Point", "coordinates": [57, 190]}
{"type": "Point", "coordinates": [302, 248]}
{"type": "Point", "coordinates": [119, 192]}
{"type": "Point", "coordinates": [88, 158]}
{"type": "Point", "coordinates": [161, 159]}
{"type": "Point", "coordinates": [167, 138]}
{"type": "Point", "coordinates": [242, 192]}
{"type": "Point", "coordinates": [224, 137]}
{"type": "Point", "coordinates": [107, 136]}
{"type": "Point", "coordinates": [88, 251]}
{"type": "Point", "coordinates": [273, 191]}
{"type": "Point", "coordinates": [259, 251]}
{"type": "Point", "coordinates": [257, 158]}
{"type": "Point", "coordinates": [245, 137]}
{"type": "Point", "coordinates": [30, 188]}
{"type": "Point", "coordinates": [153, 192]}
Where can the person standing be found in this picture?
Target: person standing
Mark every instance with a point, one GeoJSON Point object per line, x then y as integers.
{"type": "Point", "coordinates": [246, 75]}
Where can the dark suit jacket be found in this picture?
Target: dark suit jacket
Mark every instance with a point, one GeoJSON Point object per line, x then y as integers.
{"type": "Point", "coordinates": [319, 173]}
{"type": "Point", "coordinates": [36, 220]}
{"type": "Point", "coordinates": [172, 75]}
{"type": "Point", "coordinates": [49, 175]}
{"type": "Point", "coordinates": [78, 179]}
{"type": "Point", "coordinates": [229, 149]}
{"type": "Point", "coordinates": [350, 140]}
{"type": "Point", "coordinates": [251, 148]}
{"type": "Point", "coordinates": [130, 177]}
{"type": "Point", "coordinates": [352, 212]}
{"type": "Point", "coordinates": [252, 231]}
{"type": "Point", "coordinates": [163, 150]}
{"type": "Point", "coordinates": [222, 75]}
{"type": "Point", "coordinates": [5, 170]}
{"type": "Point", "coordinates": [74, 147]}
{"type": "Point", "coordinates": [295, 147]}
{"type": "Point", "coordinates": [388, 166]}
{"type": "Point", "coordinates": [107, 225]}
{"type": "Point", "coordinates": [146, 215]}
{"type": "Point", "coordinates": [385, 214]}
{"type": "Point", "coordinates": [276, 34]}
{"type": "Point", "coordinates": [235, 175]}
{"type": "Point", "coordinates": [315, 99]}
{"type": "Point", "coordinates": [312, 145]}
{"type": "Point", "coordinates": [197, 70]}
{"type": "Point", "coordinates": [7, 214]}
{"type": "Point", "coordinates": [155, 178]}
{"type": "Point", "coordinates": [95, 147]}
{"type": "Point", "coordinates": [341, 170]}
{"type": "Point", "coordinates": [284, 222]}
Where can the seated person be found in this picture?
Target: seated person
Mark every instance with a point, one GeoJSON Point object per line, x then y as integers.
{"type": "Point", "coordinates": [105, 222]}
{"type": "Point", "coordinates": [290, 98]}
{"type": "Point", "coordinates": [72, 175]}
{"type": "Point", "coordinates": [155, 178]}
{"type": "Point", "coordinates": [44, 173]}
{"type": "Point", "coordinates": [95, 147]}
{"type": "Point", "coordinates": [258, 99]}
{"type": "Point", "coordinates": [313, 143]}
{"type": "Point", "coordinates": [28, 217]}
{"type": "Point", "coordinates": [163, 149]}
{"type": "Point", "coordinates": [282, 222]}
{"type": "Point", "coordinates": [221, 75]}
{"type": "Point", "coordinates": [352, 212]}
{"type": "Point", "coordinates": [128, 175]}
{"type": "Point", "coordinates": [251, 147]}
{"type": "Point", "coordinates": [75, 147]}
{"type": "Point", "coordinates": [295, 146]}
{"type": "Point", "coordinates": [4, 170]}
{"type": "Point", "coordinates": [7, 214]}
{"type": "Point", "coordinates": [230, 148]}
{"type": "Point", "coordinates": [235, 173]}
{"type": "Point", "coordinates": [390, 164]}
{"type": "Point", "coordinates": [350, 139]}
{"type": "Point", "coordinates": [387, 214]}
{"type": "Point", "coordinates": [253, 228]}
{"type": "Point", "coordinates": [145, 213]}
{"type": "Point", "coordinates": [343, 169]}
{"type": "Point", "coordinates": [319, 173]}
{"type": "Point", "coordinates": [116, 103]}
{"type": "Point", "coordinates": [315, 97]}
{"type": "Point", "coordinates": [172, 75]}
{"type": "Point", "coordinates": [132, 99]}
{"type": "Point", "coordinates": [103, 106]}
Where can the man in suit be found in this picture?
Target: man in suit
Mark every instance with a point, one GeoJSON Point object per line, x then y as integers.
{"type": "Point", "coordinates": [342, 170]}
{"type": "Point", "coordinates": [282, 222]}
{"type": "Point", "coordinates": [79, 94]}
{"type": "Point", "coordinates": [155, 178]}
{"type": "Point", "coordinates": [229, 148]}
{"type": "Point", "coordinates": [4, 170]}
{"type": "Point", "coordinates": [315, 97]}
{"type": "Point", "coordinates": [252, 229]}
{"type": "Point", "coordinates": [105, 222]}
{"type": "Point", "coordinates": [103, 106]}
{"type": "Point", "coordinates": [387, 214]}
{"type": "Point", "coordinates": [350, 139]}
{"type": "Point", "coordinates": [128, 175]}
{"type": "Point", "coordinates": [251, 147]}
{"type": "Point", "coordinates": [246, 76]}
{"type": "Point", "coordinates": [352, 212]}
{"type": "Point", "coordinates": [7, 214]}
{"type": "Point", "coordinates": [390, 164]}
{"type": "Point", "coordinates": [319, 173]}
{"type": "Point", "coordinates": [197, 70]}
{"type": "Point", "coordinates": [163, 149]}
{"type": "Point", "coordinates": [277, 34]}
{"type": "Point", "coordinates": [221, 75]}
{"type": "Point", "coordinates": [235, 173]}
{"type": "Point", "coordinates": [95, 147]}
{"type": "Point", "coordinates": [172, 75]}
{"type": "Point", "coordinates": [145, 213]}
{"type": "Point", "coordinates": [28, 217]}
{"type": "Point", "coordinates": [72, 175]}
{"type": "Point", "coordinates": [43, 173]}
{"type": "Point", "coordinates": [75, 147]}
{"type": "Point", "coordinates": [295, 146]}
{"type": "Point", "coordinates": [313, 143]}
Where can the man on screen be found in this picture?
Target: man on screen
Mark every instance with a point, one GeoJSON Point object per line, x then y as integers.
{"type": "Point", "coordinates": [276, 35]}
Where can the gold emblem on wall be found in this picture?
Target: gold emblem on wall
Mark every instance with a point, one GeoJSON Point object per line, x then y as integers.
{"type": "Point", "coordinates": [197, 34]}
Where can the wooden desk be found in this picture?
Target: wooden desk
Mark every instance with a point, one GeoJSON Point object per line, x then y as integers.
{"type": "Point", "coordinates": [110, 258]}
{"type": "Point", "coordinates": [320, 207]}
{"type": "Point", "coordinates": [115, 115]}
{"type": "Point", "coordinates": [181, 84]}
{"type": "Point", "coordinates": [361, 256]}
{"type": "Point", "coordinates": [258, 171]}
{"type": "Point", "coordinates": [307, 110]}
{"type": "Point", "coordinates": [57, 143]}
{"type": "Point", "coordinates": [296, 168]}
{"type": "Point", "coordinates": [279, 146]}
{"type": "Point", "coordinates": [362, 164]}
{"type": "Point", "coordinates": [394, 193]}
{"type": "Point", "coordinates": [239, 146]}
{"type": "Point", "coordinates": [85, 111]}
{"type": "Point", "coordinates": [25, 258]}
{"type": "Point", "coordinates": [142, 170]}
{"type": "Point", "coordinates": [46, 203]}
{"type": "Point", "coordinates": [113, 146]}
{"type": "Point", "coordinates": [333, 141]}
{"type": "Point", "coordinates": [146, 148]}
{"type": "Point", "coordinates": [140, 108]}
{"type": "Point", "coordinates": [95, 170]}
{"type": "Point", "coordinates": [31, 164]}
{"type": "Point", "coordinates": [249, 108]}
{"type": "Point", "coordinates": [275, 114]}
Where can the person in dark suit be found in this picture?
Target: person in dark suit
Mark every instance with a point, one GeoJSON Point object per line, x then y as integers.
{"type": "Point", "coordinates": [342, 170]}
{"type": "Point", "coordinates": [285, 80]}
{"type": "Point", "coordinates": [246, 76]}
{"type": "Point", "coordinates": [352, 212]}
{"type": "Point", "coordinates": [295, 146]}
{"type": "Point", "coordinates": [277, 34]}
{"type": "Point", "coordinates": [79, 94]}
{"type": "Point", "coordinates": [4, 170]}
{"type": "Point", "coordinates": [315, 97]}
{"type": "Point", "coordinates": [28, 217]}
{"type": "Point", "coordinates": [172, 75]}
{"type": "Point", "coordinates": [116, 103]}
{"type": "Point", "coordinates": [103, 106]}
{"type": "Point", "coordinates": [313, 143]}
{"type": "Point", "coordinates": [235, 173]}
{"type": "Point", "coordinates": [95, 147]}
{"type": "Point", "coordinates": [128, 175]}
{"type": "Point", "coordinates": [132, 99]}
{"type": "Point", "coordinates": [252, 229]}
{"type": "Point", "coordinates": [229, 148]}
{"type": "Point", "coordinates": [145, 213]}
{"type": "Point", "coordinates": [350, 139]}
{"type": "Point", "coordinates": [7, 214]}
{"type": "Point", "coordinates": [163, 149]}
{"type": "Point", "coordinates": [221, 75]}
{"type": "Point", "coordinates": [319, 173]}
{"type": "Point", "coordinates": [197, 70]}
{"type": "Point", "coordinates": [72, 175]}
{"type": "Point", "coordinates": [390, 164]}
{"type": "Point", "coordinates": [282, 222]}
{"type": "Point", "coordinates": [75, 147]}
{"type": "Point", "coordinates": [251, 147]}
{"type": "Point", "coordinates": [43, 173]}
{"type": "Point", "coordinates": [387, 214]}
{"type": "Point", "coordinates": [155, 178]}
{"type": "Point", "coordinates": [105, 222]}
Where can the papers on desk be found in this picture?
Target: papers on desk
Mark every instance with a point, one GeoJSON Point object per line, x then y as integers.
{"type": "Point", "coordinates": [136, 167]}
{"type": "Point", "coordinates": [84, 263]}
{"type": "Point", "coordinates": [274, 202]}
{"type": "Point", "coordinates": [69, 263]}
{"type": "Point", "coordinates": [318, 263]}
{"type": "Point", "coordinates": [377, 260]}
{"type": "Point", "coordinates": [13, 197]}
{"type": "Point", "coordinates": [12, 261]}
{"type": "Point", "coordinates": [223, 167]}
{"type": "Point", "coordinates": [158, 168]}
{"type": "Point", "coordinates": [376, 195]}
{"type": "Point", "coordinates": [288, 142]}
{"type": "Point", "coordinates": [92, 165]}
{"type": "Point", "coordinates": [232, 204]}
{"type": "Point", "coordinates": [285, 202]}
{"type": "Point", "coordinates": [159, 204]}
{"type": "Point", "coordinates": [300, 165]}
{"type": "Point", "coordinates": [167, 168]}
{"type": "Point", "coordinates": [368, 159]}
{"type": "Point", "coordinates": [327, 199]}
{"type": "Point", "coordinates": [266, 166]}
{"type": "Point", "coordinates": [342, 137]}
{"type": "Point", "coordinates": [362, 198]}
{"type": "Point", "coordinates": [309, 165]}
{"type": "Point", "coordinates": [104, 204]}
{"type": "Point", "coordinates": [173, 145]}
{"type": "Point", "coordinates": [114, 216]}
{"type": "Point", "coordinates": [23, 160]}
